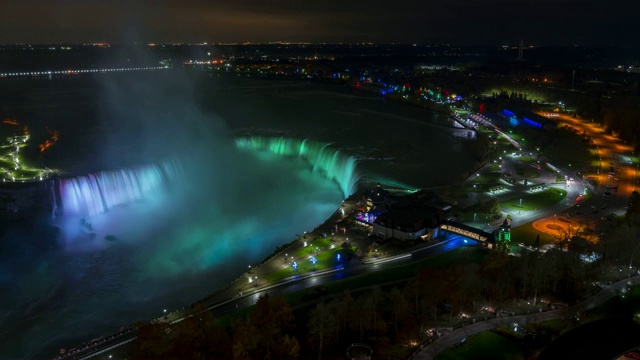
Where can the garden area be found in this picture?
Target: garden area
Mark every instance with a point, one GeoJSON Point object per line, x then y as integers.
{"type": "Point", "coordinates": [14, 154]}
{"type": "Point", "coordinates": [526, 171]}
{"type": "Point", "coordinates": [535, 201]}
{"type": "Point", "coordinates": [312, 258]}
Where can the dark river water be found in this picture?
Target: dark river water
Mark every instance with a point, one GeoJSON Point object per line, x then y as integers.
{"type": "Point", "coordinates": [226, 209]}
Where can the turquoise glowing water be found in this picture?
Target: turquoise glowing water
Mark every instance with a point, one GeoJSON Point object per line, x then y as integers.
{"type": "Point", "coordinates": [169, 247]}
{"type": "Point", "coordinates": [408, 144]}
{"type": "Point", "coordinates": [331, 162]}
{"type": "Point", "coordinates": [94, 194]}
{"type": "Point", "coordinates": [165, 245]}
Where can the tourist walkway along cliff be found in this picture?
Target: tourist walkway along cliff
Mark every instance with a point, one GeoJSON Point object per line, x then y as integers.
{"type": "Point", "coordinates": [431, 350]}
{"type": "Point", "coordinates": [240, 293]}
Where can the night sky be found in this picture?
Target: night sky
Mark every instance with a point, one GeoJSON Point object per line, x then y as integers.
{"type": "Point", "coordinates": [464, 22]}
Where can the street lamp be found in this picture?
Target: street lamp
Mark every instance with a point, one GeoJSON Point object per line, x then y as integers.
{"type": "Point", "coordinates": [632, 254]}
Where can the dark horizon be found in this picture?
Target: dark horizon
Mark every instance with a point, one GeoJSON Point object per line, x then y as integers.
{"type": "Point", "coordinates": [461, 22]}
{"type": "Point", "coordinates": [505, 46]}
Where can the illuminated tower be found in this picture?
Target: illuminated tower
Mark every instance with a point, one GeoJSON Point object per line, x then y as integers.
{"type": "Point", "coordinates": [503, 240]}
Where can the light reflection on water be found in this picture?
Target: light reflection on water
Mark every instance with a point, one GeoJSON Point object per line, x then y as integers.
{"type": "Point", "coordinates": [164, 253]}
{"type": "Point", "coordinates": [159, 254]}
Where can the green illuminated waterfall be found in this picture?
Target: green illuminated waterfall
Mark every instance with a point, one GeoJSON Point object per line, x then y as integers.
{"type": "Point", "coordinates": [334, 164]}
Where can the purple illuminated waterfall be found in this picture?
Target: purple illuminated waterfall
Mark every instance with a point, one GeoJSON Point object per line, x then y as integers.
{"type": "Point", "coordinates": [96, 193]}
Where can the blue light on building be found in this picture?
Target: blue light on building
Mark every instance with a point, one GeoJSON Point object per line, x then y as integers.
{"type": "Point", "coordinates": [532, 123]}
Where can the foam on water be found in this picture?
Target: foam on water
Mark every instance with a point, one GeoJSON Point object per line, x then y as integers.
{"type": "Point", "coordinates": [96, 193]}
{"type": "Point", "coordinates": [333, 163]}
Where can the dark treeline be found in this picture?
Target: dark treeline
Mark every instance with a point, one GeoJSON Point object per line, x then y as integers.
{"type": "Point", "coordinates": [392, 318]}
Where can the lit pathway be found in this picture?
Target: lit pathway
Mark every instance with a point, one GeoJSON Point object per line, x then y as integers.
{"type": "Point", "coordinates": [450, 339]}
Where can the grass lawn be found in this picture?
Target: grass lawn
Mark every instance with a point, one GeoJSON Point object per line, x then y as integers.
{"type": "Point", "coordinates": [485, 345]}
{"type": "Point", "coordinates": [399, 273]}
{"type": "Point", "coordinates": [537, 200]}
{"type": "Point", "coordinates": [26, 174]}
{"type": "Point", "coordinates": [483, 187]}
{"type": "Point", "coordinates": [527, 159]}
{"type": "Point", "coordinates": [487, 178]}
{"type": "Point", "coordinates": [325, 260]}
{"type": "Point", "coordinates": [6, 164]}
{"type": "Point", "coordinates": [311, 247]}
{"type": "Point", "coordinates": [464, 216]}
{"type": "Point", "coordinates": [527, 234]}
{"type": "Point", "coordinates": [526, 171]}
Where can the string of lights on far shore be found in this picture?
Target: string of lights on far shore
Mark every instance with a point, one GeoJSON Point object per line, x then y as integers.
{"type": "Point", "coordinates": [81, 71]}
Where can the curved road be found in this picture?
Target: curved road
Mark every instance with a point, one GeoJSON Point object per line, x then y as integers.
{"type": "Point", "coordinates": [288, 285]}
{"type": "Point", "coordinates": [612, 153]}
{"type": "Point", "coordinates": [456, 336]}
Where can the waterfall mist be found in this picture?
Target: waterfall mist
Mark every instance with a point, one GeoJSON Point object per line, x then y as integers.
{"type": "Point", "coordinates": [172, 211]}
